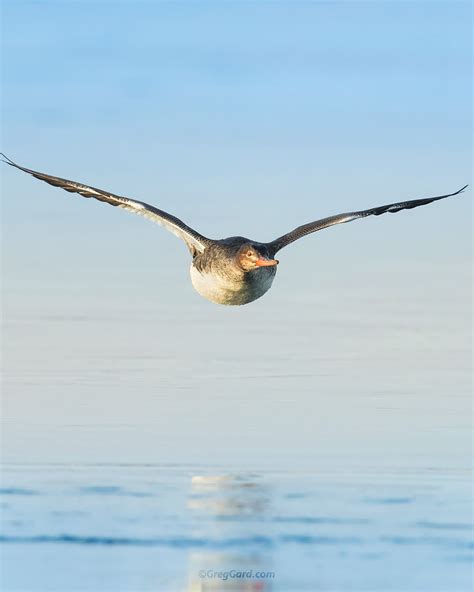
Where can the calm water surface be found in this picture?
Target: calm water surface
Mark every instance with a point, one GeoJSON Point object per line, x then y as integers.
{"type": "Point", "coordinates": [110, 527]}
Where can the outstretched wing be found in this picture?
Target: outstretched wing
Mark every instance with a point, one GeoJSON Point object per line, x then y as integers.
{"type": "Point", "coordinates": [393, 208]}
{"type": "Point", "coordinates": [193, 239]}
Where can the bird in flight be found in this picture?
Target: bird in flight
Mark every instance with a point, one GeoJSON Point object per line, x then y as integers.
{"type": "Point", "coordinates": [235, 270]}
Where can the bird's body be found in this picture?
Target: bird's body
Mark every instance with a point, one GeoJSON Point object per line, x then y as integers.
{"type": "Point", "coordinates": [216, 276]}
{"type": "Point", "coordinates": [231, 271]}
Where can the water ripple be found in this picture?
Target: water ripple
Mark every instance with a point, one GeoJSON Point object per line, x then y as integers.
{"type": "Point", "coordinates": [445, 525]}
{"type": "Point", "coordinates": [137, 542]}
{"type": "Point", "coordinates": [111, 490]}
{"type": "Point", "coordinates": [18, 491]}
{"type": "Point", "coordinates": [319, 520]}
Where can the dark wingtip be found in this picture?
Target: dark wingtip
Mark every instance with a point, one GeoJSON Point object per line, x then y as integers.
{"type": "Point", "coordinates": [460, 190]}
{"type": "Point", "coordinates": [6, 160]}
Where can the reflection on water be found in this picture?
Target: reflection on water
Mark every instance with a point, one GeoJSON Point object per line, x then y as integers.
{"type": "Point", "coordinates": [238, 504]}
{"type": "Point", "coordinates": [155, 528]}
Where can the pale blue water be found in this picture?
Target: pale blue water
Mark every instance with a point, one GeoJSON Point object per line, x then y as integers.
{"type": "Point", "coordinates": [169, 528]}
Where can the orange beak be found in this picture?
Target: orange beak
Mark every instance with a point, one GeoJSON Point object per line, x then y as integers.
{"type": "Point", "coordinates": [265, 262]}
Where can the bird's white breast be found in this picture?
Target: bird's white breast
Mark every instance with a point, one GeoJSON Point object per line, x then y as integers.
{"type": "Point", "coordinates": [232, 291]}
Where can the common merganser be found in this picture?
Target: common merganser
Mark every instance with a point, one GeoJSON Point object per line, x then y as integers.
{"type": "Point", "coordinates": [233, 270]}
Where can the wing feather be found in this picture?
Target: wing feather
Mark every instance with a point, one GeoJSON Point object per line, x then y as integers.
{"type": "Point", "coordinates": [393, 208]}
{"type": "Point", "coordinates": [193, 239]}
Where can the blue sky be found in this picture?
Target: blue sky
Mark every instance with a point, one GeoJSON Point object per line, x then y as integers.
{"type": "Point", "coordinates": [241, 118]}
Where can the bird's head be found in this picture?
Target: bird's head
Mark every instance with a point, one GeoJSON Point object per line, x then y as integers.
{"type": "Point", "coordinates": [251, 256]}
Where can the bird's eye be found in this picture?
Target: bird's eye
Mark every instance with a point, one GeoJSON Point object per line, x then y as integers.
{"type": "Point", "coordinates": [249, 253]}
